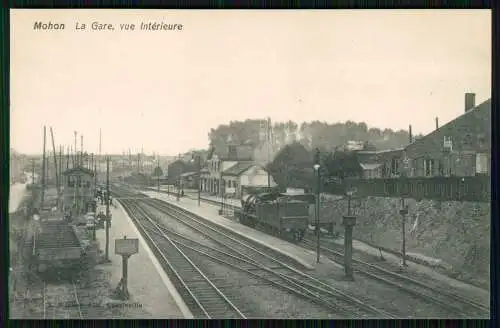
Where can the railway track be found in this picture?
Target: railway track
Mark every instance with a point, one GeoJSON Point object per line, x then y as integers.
{"type": "Point", "coordinates": [278, 270]}
{"type": "Point", "coordinates": [270, 275]}
{"type": "Point", "coordinates": [455, 303]}
{"type": "Point", "coordinates": [199, 293]}
{"type": "Point", "coordinates": [449, 301]}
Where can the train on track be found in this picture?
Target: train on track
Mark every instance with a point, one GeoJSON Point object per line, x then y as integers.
{"type": "Point", "coordinates": [279, 213]}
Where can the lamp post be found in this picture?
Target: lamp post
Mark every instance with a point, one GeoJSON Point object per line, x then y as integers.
{"type": "Point", "coordinates": [349, 221]}
{"type": "Point", "coordinates": [197, 159]}
{"type": "Point", "coordinates": [168, 181]}
{"type": "Point", "coordinates": [221, 188]}
{"type": "Point", "coordinates": [316, 212]}
{"type": "Point", "coordinates": [198, 164]}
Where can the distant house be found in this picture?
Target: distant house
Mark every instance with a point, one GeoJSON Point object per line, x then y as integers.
{"type": "Point", "coordinates": [189, 180]}
{"type": "Point", "coordinates": [381, 163]}
{"type": "Point", "coordinates": [219, 159]}
{"type": "Point", "coordinates": [245, 174]}
{"type": "Point", "coordinates": [461, 147]}
{"type": "Point", "coordinates": [177, 168]}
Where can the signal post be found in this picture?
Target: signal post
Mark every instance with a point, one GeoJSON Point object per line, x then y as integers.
{"type": "Point", "coordinates": [348, 221]}
{"type": "Point", "coordinates": [126, 248]}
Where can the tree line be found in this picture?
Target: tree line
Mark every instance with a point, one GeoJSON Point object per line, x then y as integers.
{"type": "Point", "coordinates": [294, 146]}
{"type": "Point", "coordinates": [314, 134]}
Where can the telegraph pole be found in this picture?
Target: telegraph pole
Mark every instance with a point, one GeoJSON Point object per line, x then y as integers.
{"type": "Point", "coordinates": [81, 151]}
{"type": "Point", "coordinates": [158, 160]}
{"type": "Point", "coordinates": [199, 178]}
{"type": "Point", "coordinates": [316, 171]}
{"type": "Point", "coordinates": [268, 135]}
{"type": "Point", "coordinates": [43, 168]}
{"type": "Point", "coordinates": [107, 210]}
{"type": "Point", "coordinates": [55, 162]}
{"type": "Point", "coordinates": [60, 165]}
{"type": "Point", "coordinates": [74, 154]}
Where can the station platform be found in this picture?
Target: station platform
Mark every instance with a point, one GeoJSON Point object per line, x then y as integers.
{"type": "Point", "coordinates": [148, 285]}
{"type": "Point", "coordinates": [302, 256]}
{"type": "Point", "coordinates": [193, 194]}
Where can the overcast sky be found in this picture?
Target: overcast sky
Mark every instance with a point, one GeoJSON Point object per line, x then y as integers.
{"type": "Point", "coordinates": [164, 90]}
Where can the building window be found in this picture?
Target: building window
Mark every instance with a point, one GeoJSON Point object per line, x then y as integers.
{"type": "Point", "coordinates": [481, 163]}
{"type": "Point", "coordinates": [232, 151]}
{"type": "Point", "coordinates": [441, 171]}
{"type": "Point", "coordinates": [428, 167]}
{"type": "Point", "coordinates": [394, 166]}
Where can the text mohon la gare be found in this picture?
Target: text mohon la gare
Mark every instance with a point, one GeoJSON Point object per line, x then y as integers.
{"type": "Point", "coordinates": [98, 26]}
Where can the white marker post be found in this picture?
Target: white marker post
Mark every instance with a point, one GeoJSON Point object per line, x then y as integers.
{"type": "Point", "coordinates": [126, 248]}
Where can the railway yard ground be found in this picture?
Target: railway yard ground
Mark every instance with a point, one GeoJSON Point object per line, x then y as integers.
{"type": "Point", "coordinates": [417, 263]}
{"type": "Point", "coordinates": [418, 292]}
{"type": "Point", "coordinates": [192, 262]}
{"type": "Point", "coordinates": [86, 293]}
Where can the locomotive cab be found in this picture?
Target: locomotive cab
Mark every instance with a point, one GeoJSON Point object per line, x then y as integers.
{"type": "Point", "coordinates": [276, 212]}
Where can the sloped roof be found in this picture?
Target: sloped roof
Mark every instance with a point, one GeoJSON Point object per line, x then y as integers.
{"type": "Point", "coordinates": [484, 107]}
{"type": "Point", "coordinates": [187, 174]}
{"type": "Point", "coordinates": [377, 152]}
{"type": "Point", "coordinates": [369, 166]}
{"type": "Point", "coordinates": [78, 170]}
{"type": "Point", "coordinates": [239, 168]}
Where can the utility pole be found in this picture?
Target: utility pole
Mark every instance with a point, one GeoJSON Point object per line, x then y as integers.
{"type": "Point", "coordinates": [316, 171]}
{"type": "Point", "coordinates": [107, 210]}
{"type": "Point", "coordinates": [75, 157]}
{"type": "Point", "coordinates": [198, 159]}
{"type": "Point", "coordinates": [138, 163]}
{"type": "Point", "coordinates": [55, 163]}
{"type": "Point", "coordinates": [221, 187]}
{"type": "Point", "coordinates": [60, 165]}
{"type": "Point", "coordinates": [43, 168]}
{"type": "Point", "coordinates": [81, 151]}
{"type": "Point", "coordinates": [168, 181]}
{"type": "Point", "coordinates": [268, 137]}
{"type": "Point", "coordinates": [158, 161]}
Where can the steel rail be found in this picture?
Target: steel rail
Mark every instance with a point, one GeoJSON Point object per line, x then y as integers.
{"type": "Point", "coordinates": [313, 283]}
{"type": "Point", "coordinates": [192, 265]}
{"type": "Point", "coordinates": [363, 270]}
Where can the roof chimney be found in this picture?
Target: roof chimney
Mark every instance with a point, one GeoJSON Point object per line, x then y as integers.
{"type": "Point", "coordinates": [470, 101]}
{"type": "Point", "coordinates": [437, 123]}
{"type": "Point", "coordinates": [410, 135]}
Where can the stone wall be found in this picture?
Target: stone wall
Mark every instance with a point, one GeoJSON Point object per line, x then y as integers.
{"type": "Point", "coordinates": [457, 233]}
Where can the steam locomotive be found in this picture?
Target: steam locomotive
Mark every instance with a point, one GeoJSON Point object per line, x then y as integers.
{"type": "Point", "coordinates": [279, 213]}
